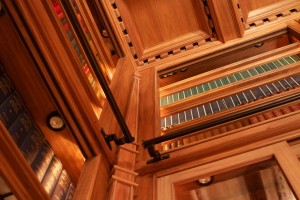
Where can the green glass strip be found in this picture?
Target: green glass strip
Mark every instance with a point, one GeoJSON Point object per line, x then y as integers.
{"type": "Point", "coordinates": [296, 58]}
{"type": "Point", "coordinates": [206, 87]}
{"type": "Point", "coordinates": [212, 85]}
{"type": "Point", "coordinates": [253, 72]}
{"type": "Point", "coordinates": [194, 90]}
{"type": "Point", "coordinates": [230, 79]}
{"type": "Point", "coordinates": [219, 83]}
{"type": "Point", "coordinates": [224, 81]}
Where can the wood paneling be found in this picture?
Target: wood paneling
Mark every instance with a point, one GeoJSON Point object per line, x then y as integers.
{"type": "Point", "coordinates": [22, 71]}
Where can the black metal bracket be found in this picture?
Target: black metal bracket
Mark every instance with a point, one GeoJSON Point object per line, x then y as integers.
{"type": "Point", "coordinates": [113, 137]}
{"type": "Point", "coordinates": [156, 156]}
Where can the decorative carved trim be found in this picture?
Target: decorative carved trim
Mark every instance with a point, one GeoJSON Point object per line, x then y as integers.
{"type": "Point", "coordinates": [171, 52]}
{"type": "Point", "coordinates": [269, 18]}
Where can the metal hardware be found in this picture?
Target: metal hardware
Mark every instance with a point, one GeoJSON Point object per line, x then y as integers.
{"type": "Point", "coordinates": [101, 78]}
{"type": "Point", "coordinates": [155, 154]}
{"type": "Point", "coordinates": [258, 44]}
{"type": "Point", "coordinates": [149, 144]}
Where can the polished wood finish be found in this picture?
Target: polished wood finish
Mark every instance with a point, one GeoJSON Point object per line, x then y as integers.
{"type": "Point", "coordinates": [28, 82]}
{"type": "Point", "coordinates": [211, 38]}
{"type": "Point", "coordinates": [92, 180]}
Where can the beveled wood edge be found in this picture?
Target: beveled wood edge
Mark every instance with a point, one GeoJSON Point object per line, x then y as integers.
{"type": "Point", "coordinates": [244, 64]}
{"type": "Point", "coordinates": [273, 9]}
{"type": "Point", "coordinates": [230, 89]}
{"type": "Point", "coordinates": [280, 151]}
{"type": "Point", "coordinates": [215, 48]}
{"type": "Point", "coordinates": [245, 140]}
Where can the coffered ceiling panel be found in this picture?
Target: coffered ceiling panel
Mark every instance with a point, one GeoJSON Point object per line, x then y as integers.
{"type": "Point", "coordinates": [157, 27]}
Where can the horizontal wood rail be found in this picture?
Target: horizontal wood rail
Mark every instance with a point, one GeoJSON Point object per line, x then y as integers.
{"type": "Point", "coordinates": [127, 137]}
{"type": "Point", "coordinates": [155, 154]}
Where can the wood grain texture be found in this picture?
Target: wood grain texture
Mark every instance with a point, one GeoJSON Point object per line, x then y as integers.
{"type": "Point", "coordinates": [22, 71]}
{"type": "Point", "coordinates": [93, 180]}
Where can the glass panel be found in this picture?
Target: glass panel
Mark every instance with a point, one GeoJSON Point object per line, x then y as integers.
{"type": "Point", "coordinates": [263, 181]}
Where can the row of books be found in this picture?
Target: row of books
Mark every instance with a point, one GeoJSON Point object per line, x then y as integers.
{"type": "Point", "coordinates": [232, 101]}
{"type": "Point", "coordinates": [208, 133]}
{"type": "Point", "coordinates": [32, 143]}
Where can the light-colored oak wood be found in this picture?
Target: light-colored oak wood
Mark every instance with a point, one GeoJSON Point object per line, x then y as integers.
{"type": "Point", "coordinates": [167, 185]}
{"type": "Point", "coordinates": [253, 137]}
{"type": "Point", "coordinates": [92, 181]}
{"type": "Point", "coordinates": [268, 55]}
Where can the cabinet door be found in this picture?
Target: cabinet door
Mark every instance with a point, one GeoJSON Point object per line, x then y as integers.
{"type": "Point", "coordinates": [271, 172]}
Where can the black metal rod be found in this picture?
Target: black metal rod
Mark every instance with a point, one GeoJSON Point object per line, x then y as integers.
{"type": "Point", "coordinates": [220, 120]}
{"type": "Point", "coordinates": [97, 70]}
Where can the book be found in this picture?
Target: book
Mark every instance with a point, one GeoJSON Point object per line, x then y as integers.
{"type": "Point", "coordinates": [21, 127]}
{"type": "Point", "coordinates": [71, 192]}
{"type": "Point", "coordinates": [42, 160]}
{"type": "Point", "coordinates": [52, 174]}
{"type": "Point", "coordinates": [238, 124]}
{"type": "Point", "coordinates": [179, 143]}
{"type": "Point", "coordinates": [207, 134]}
{"type": "Point", "coordinates": [10, 109]}
{"type": "Point", "coordinates": [286, 110]}
{"type": "Point", "coordinates": [230, 127]}
{"type": "Point", "coordinates": [186, 140]}
{"type": "Point", "coordinates": [277, 112]}
{"type": "Point", "coordinates": [261, 117]}
{"type": "Point", "coordinates": [222, 129]}
{"type": "Point", "coordinates": [193, 138]}
{"type": "Point", "coordinates": [62, 186]}
{"type": "Point", "coordinates": [6, 87]}
{"type": "Point", "coordinates": [295, 107]}
{"type": "Point", "coordinates": [269, 115]}
{"type": "Point", "coordinates": [32, 144]}
{"type": "Point", "coordinates": [215, 131]}
{"type": "Point", "coordinates": [200, 136]}
{"type": "Point", "coordinates": [245, 122]}
{"type": "Point", "coordinates": [253, 120]}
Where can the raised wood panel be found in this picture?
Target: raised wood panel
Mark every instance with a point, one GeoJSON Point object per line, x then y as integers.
{"type": "Point", "coordinates": [269, 10]}
{"type": "Point", "coordinates": [228, 27]}
{"type": "Point", "coordinates": [248, 6]}
{"type": "Point", "coordinates": [158, 26]}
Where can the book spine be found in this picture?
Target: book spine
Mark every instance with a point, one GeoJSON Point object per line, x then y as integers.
{"type": "Point", "coordinates": [62, 186]}
{"type": "Point", "coordinates": [295, 107]}
{"type": "Point", "coordinates": [42, 160]}
{"type": "Point", "coordinates": [222, 129]}
{"type": "Point", "coordinates": [52, 174]}
{"type": "Point", "coordinates": [6, 87]}
{"type": "Point", "coordinates": [32, 144]}
{"type": "Point", "coordinates": [253, 120]}
{"type": "Point", "coordinates": [10, 109]}
{"type": "Point", "coordinates": [277, 112]}
{"type": "Point", "coordinates": [215, 131]}
{"type": "Point", "coordinates": [21, 127]}
{"type": "Point", "coordinates": [200, 136]}
{"type": "Point", "coordinates": [269, 115]}
{"type": "Point", "coordinates": [71, 192]}
{"type": "Point", "coordinates": [207, 134]}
